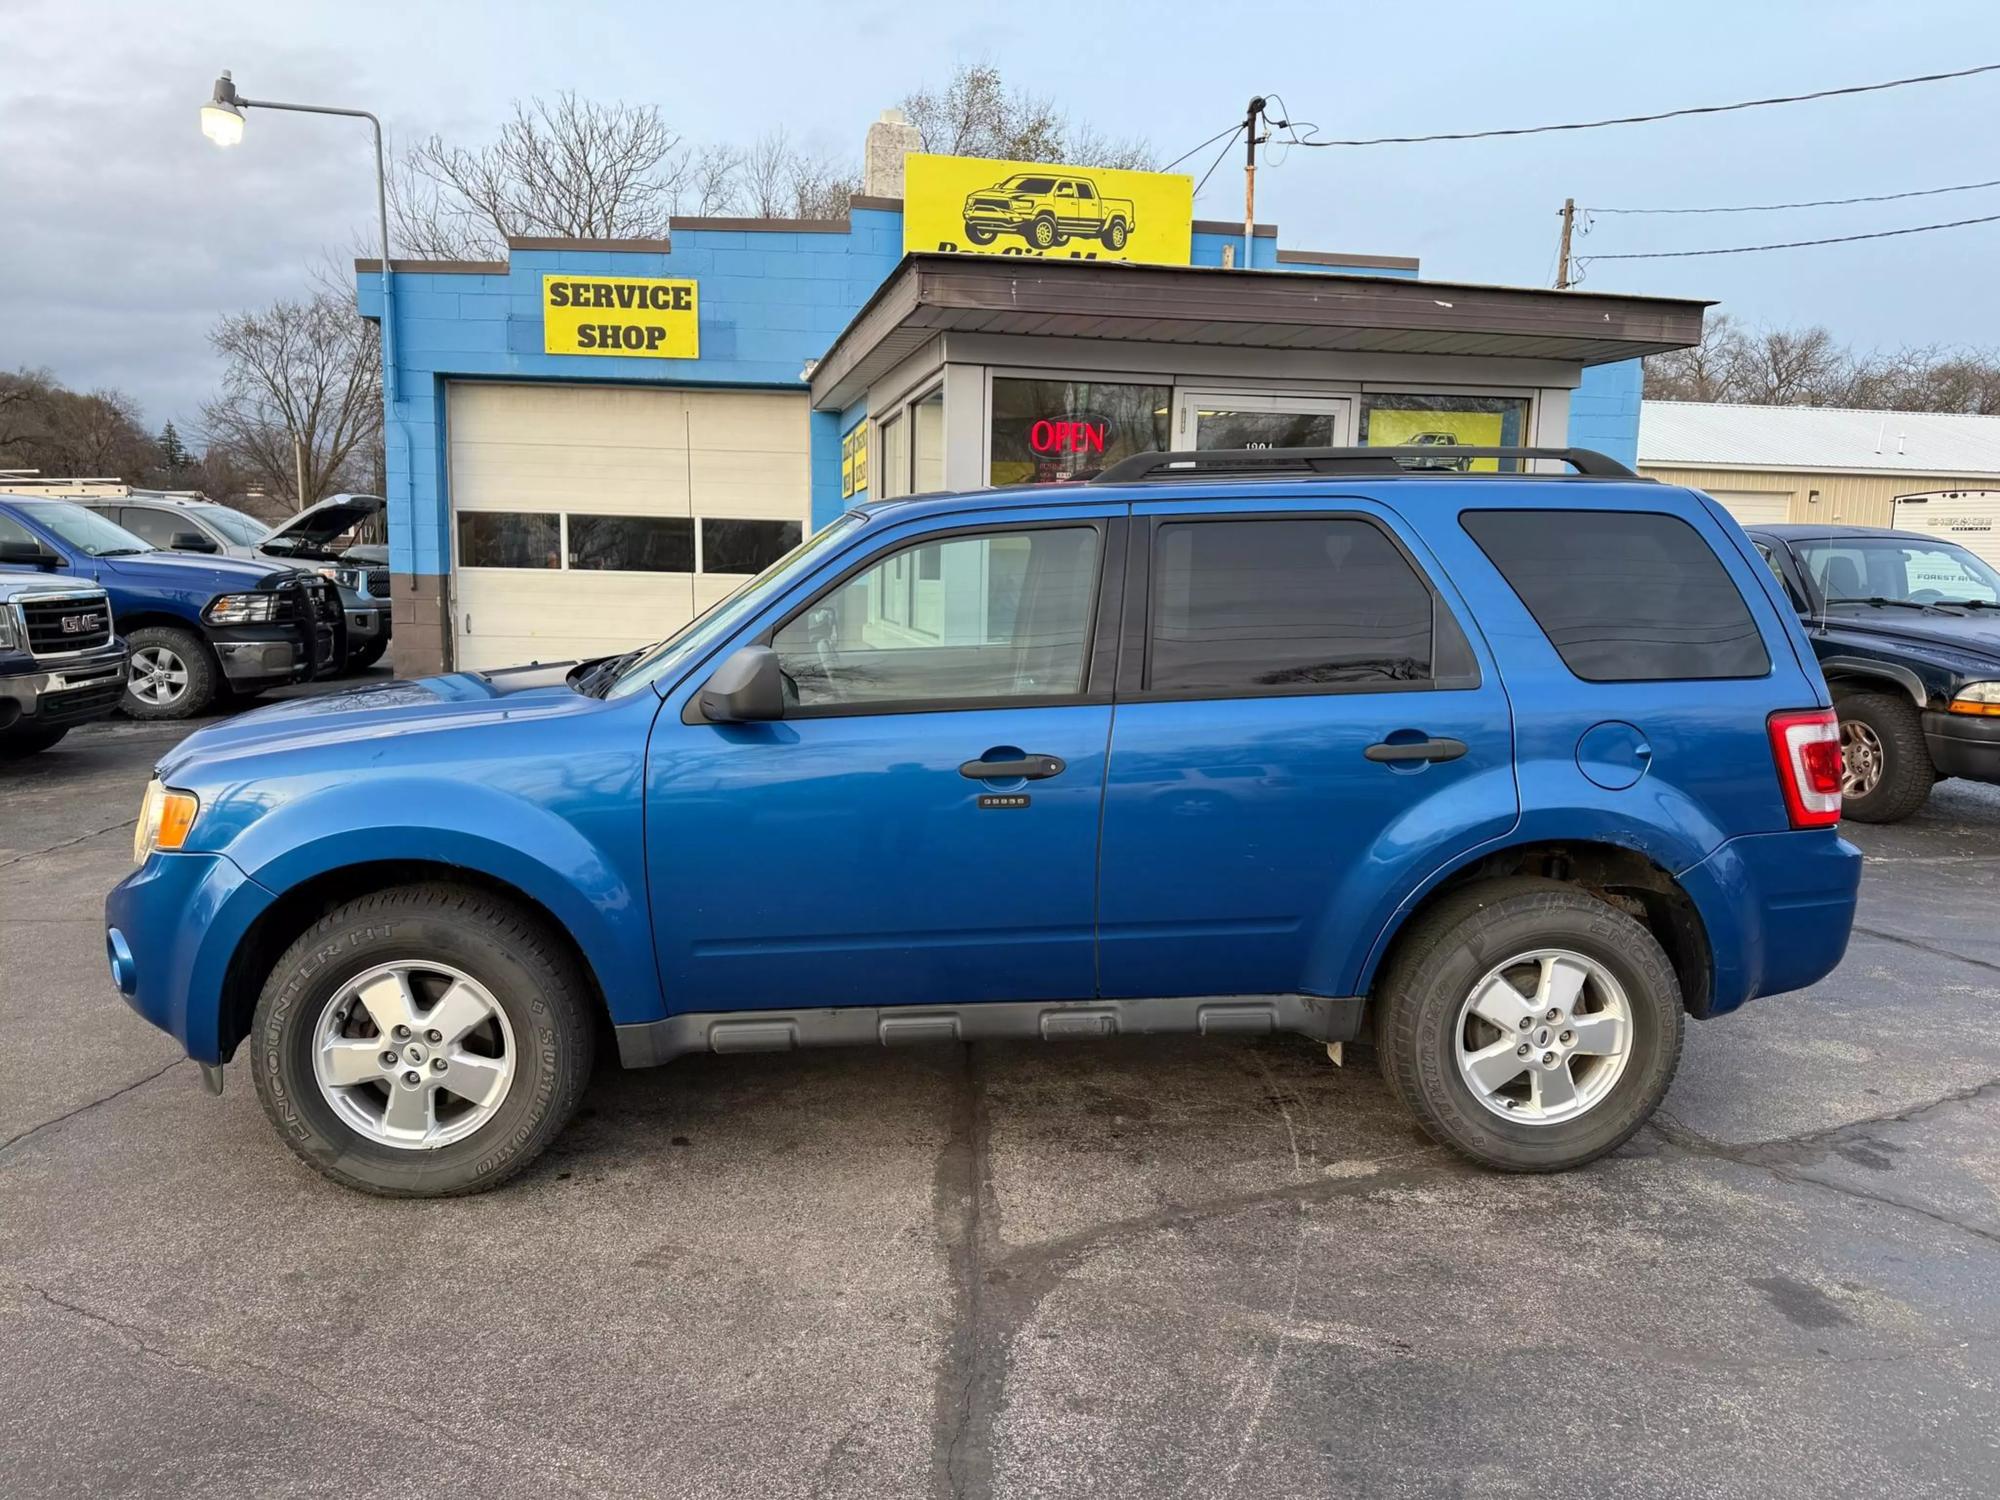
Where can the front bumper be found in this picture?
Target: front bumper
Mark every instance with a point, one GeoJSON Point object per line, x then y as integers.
{"type": "Point", "coordinates": [171, 928]}
{"type": "Point", "coordinates": [271, 655]}
{"type": "Point", "coordinates": [85, 686]}
{"type": "Point", "coordinates": [1966, 745]}
{"type": "Point", "coordinates": [1778, 908]}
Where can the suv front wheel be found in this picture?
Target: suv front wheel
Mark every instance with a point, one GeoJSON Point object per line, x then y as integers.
{"type": "Point", "coordinates": [1530, 1026]}
{"type": "Point", "coordinates": [423, 1041]}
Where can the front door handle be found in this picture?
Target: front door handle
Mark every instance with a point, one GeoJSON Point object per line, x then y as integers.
{"type": "Point", "coordinates": [1026, 768]}
{"type": "Point", "coordinates": [1439, 749]}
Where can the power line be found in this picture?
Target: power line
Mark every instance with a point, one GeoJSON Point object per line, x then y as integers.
{"type": "Point", "coordinates": [1218, 159]}
{"type": "Point", "coordinates": [1669, 114]}
{"type": "Point", "coordinates": [1203, 146]}
{"type": "Point", "coordinates": [1765, 208]}
{"type": "Point", "coordinates": [1839, 239]}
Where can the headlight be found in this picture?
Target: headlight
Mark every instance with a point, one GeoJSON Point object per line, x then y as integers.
{"type": "Point", "coordinates": [165, 818]}
{"type": "Point", "coordinates": [8, 639]}
{"type": "Point", "coordinates": [242, 609]}
{"type": "Point", "coordinates": [1977, 698]}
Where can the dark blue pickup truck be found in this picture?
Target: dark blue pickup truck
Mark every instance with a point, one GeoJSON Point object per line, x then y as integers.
{"type": "Point", "coordinates": [197, 626]}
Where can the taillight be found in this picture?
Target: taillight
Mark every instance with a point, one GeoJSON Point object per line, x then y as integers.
{"type": "Point", "coordinates": [1806, 743]}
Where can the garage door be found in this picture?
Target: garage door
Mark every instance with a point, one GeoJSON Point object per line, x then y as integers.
{"type": "Point", "coordinates": [1756, 507]}
{"type": "Point", "coordinates": [591, 519]}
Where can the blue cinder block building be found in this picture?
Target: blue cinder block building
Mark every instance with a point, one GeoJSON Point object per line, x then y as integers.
{"type": "Point", "coordinates": [591, 441]}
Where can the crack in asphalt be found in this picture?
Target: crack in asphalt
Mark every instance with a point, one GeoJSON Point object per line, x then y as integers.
{"type": "Point", "coordinates": [271, 1386]}
{"type": "Point", "coordinates": [1922, 947]}
{"type": "Point", "coordinates": [13, 1141]}
{"type": "Point", "coordinates": [81, 838]}
{"type": "Point", "coordinates": [968, 1378]}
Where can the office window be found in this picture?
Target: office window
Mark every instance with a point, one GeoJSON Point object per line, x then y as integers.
{"type": "Point", "coordinates": [927, 444]}
{"type": "Point", "coordinates": [509, 539]}
{"type": "Point", "coordinates": [1623, 596]}
{"type": "Point", "coordinates": [729, 546]}
{"type": "Point", "coordinates": [632, 544]}
{"type": "Point", "coordinates": [1257, 605]}
{"type": "Point", "coordinates": [1060, 431]}
{"type": "Point", "coordinates": [1441, 423]}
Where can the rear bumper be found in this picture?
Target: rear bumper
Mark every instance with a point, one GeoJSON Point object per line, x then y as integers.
{"type": "Point", "coordinates": [1778, 908]}
{"type": "Point", "coordinates": [1966, 745]}
{"type": "Point", "coordinates": [171, 927]}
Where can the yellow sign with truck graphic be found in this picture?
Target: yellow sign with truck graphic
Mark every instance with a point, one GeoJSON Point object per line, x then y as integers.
{"type": "Point", "coordinates": [980, 206]}
{"type": "Point", "coordinates": [640, 317]}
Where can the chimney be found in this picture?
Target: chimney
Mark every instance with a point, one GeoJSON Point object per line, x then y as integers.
{"type": "Point", "coordinates": [889, 139]}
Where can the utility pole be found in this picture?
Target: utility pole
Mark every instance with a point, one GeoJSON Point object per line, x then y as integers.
{"type": "Point", "coordinates": [1562, 258]}
{"type": "Point", "coordinates": [1250, 118]}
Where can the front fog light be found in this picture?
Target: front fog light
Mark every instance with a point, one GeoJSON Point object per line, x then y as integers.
{"type": "Point", "coordinates": [165, 819]}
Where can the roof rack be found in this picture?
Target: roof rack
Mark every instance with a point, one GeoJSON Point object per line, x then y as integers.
{"type": "Point", "coordinates": [1427, 462]}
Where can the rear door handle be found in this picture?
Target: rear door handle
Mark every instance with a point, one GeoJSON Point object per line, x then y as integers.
{"type": "Point", "coordinates": [1440, 749]}
{"type": "Point", "coordinates": [1027, 768]}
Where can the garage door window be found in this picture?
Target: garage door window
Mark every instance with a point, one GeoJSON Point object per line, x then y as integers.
{"type": "Point", "coordinates": [632, 544]}
{"type": "Point", "coordinates": [745, 546]}
{"type": "Point", "coordinates": [509, 539]}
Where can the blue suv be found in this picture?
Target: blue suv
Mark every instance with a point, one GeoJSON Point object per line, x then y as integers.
{"type": "Point", "coordinates": [1511, 772]}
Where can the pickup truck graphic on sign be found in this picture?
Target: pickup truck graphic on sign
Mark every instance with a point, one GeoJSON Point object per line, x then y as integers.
{"type": "Point", "coordinates": [1047, 210]}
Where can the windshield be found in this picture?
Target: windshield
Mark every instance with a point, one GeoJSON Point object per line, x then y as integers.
{"type": "Point", "coordinates": [84, 530]}
{"type": "Point", "coordinates": [240, 529]}
{"type": "Point", "coordinates": [1898, 570]}
{"type": "Point", "coordinates": [700, 633]}
{"type": "Point", "coordinates": [1029, 184]}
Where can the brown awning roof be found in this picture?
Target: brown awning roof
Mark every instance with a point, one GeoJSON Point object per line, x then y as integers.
{"type": "Point", "coordinates": [930, 294]}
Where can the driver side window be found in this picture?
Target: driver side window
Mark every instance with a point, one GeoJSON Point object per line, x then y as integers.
{"type": "Point", "coordinates": [1003, 614]}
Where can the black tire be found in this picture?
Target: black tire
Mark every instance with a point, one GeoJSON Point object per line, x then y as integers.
{"type": "Point", "coordinates": [191, 651]}
{"type": "Point", "coordinates": [1115, 234]}
{"type": "Point", "coordinates": [1907, 773]}
{"type": "Point", "coordinates": [29, 739]}
{"type": "Point", "coordinates": [523, 965]}
{"type": "Point", "coordinates": [366, 657]}
{"type": "Point", "coordinates": [981, 234]}
{"type": "Point", "coordinates": [1043, 234]}
{"type": "Point", "coordinates": [1433, 973]}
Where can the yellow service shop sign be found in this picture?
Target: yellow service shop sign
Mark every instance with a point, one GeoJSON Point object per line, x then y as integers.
{"type": "Point", "coordinates": [642, 317]}
{"type": "Point", "coordinates": [985, 207]}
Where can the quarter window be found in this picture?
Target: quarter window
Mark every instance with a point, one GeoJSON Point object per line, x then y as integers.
{"type": "Point", "coordinates": [996, 615]}
{"type": "Point", "coordinates": [1626, 596]}
{"type": "Point", "coordinates": [1305, 603]}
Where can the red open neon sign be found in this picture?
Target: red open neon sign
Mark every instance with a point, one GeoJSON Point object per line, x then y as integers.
{"type": "Point", "coordinates": [1068, 435]}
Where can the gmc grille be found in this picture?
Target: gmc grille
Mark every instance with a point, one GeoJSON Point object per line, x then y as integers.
{"type": "Point", "coordinates": [61, 623]}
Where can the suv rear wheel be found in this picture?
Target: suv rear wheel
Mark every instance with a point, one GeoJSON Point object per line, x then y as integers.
{"type": "Point", "coordinates": [422, 1042]}
{"type": "Point", "coordinates": [1886, 771]}
{"type": "Point", "coordinates": [1530, 1026]}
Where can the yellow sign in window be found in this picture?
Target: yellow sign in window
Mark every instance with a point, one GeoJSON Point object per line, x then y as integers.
{"type": "Point", "coordinates": [641, 317]}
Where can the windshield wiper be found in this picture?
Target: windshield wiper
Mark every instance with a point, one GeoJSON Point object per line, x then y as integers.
{"type": "Point", "coordinates": [1882, 600]}
{"type": "Point", "coordinates": [608, 671]}
{"type": "Point", "coordinates": [122, 551]}
{"type": "Point", "coordinates": [1970, 603]}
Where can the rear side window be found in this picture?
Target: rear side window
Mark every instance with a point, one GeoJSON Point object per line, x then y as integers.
{"type": "Point", "coordinates": [1624, 596]}
{"type": "Point", "coordinates": [1274, 604]}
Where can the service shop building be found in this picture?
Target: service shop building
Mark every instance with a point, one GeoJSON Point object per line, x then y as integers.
{"type": "Point", "coordinates": [591, 441]}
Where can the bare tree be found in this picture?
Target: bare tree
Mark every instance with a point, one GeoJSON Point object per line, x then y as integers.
{"type": "Point", "coordinates": [1807, 367]}
{"type": "Point", "coordinates": [308, 370]}
{"type": "Point", "coordinates": [565, 167]}
{"type": "Point", "coordinates": [72, 434]}
{"type": "Point", "coordinates": [977, 114]}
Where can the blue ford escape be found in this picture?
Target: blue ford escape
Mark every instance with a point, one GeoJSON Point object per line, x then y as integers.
{"type": "Point", "coordinates": [1512, 772]}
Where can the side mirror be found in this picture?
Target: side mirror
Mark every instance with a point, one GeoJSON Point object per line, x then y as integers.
{"type": "Point", "coordinates": [192, 541]}
{"type": "Point", "coordinates": [746, 689]}
{"type": "Point", "coordinates": [27, 555]}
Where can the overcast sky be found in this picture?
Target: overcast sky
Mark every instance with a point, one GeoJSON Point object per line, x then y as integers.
{"type": "Point", "coordinates": [125, 234]}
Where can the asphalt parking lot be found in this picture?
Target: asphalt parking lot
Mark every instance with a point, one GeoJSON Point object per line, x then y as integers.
{"type": "Point", "coordinates": [1140, 1269]}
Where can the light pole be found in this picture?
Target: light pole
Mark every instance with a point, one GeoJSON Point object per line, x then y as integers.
{"type": "Point", "coordinates": [222, 122]}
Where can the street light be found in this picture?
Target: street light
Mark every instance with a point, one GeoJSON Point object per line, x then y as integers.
{"type": "Point", "coordinates": [222, 123]}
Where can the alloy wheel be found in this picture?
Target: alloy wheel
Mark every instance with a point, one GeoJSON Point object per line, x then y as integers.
{"type": "Point", "coordinates": [1544, 1037]}
{"type": "Point", "coordinates": [1861, 759]}
{"type": "Point", "coordinates": [158, 675]}
{"type": "Point", "coordinates": [414, 1055]}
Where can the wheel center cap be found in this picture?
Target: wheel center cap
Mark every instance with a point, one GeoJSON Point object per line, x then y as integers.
{"type": "Point", "coordinates": [414, 1053]}
{"type": "Point", "coordinates": [1543, 1036]}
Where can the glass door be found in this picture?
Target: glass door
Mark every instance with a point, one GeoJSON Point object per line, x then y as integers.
{"type": "Point", "coordinates": [1261, 419]}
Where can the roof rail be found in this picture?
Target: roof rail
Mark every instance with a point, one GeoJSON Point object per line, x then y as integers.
{"type": "Point", "coordinates": [1426, 461]}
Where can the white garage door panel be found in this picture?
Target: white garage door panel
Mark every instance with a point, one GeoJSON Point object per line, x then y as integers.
{"type": "Point", "coordinates": [606, 450]}
{"type": "Point", "coordinates": [1756, 507]}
